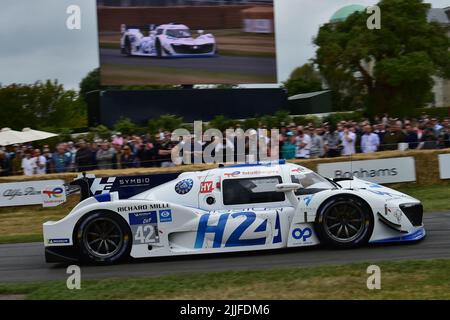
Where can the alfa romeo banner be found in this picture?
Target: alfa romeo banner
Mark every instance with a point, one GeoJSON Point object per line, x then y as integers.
{"type": "Point", "coordinates": [25, 193]}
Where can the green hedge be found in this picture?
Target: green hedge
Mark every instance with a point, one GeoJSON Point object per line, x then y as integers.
{"type": "Point", "coordinates": [432, 112]}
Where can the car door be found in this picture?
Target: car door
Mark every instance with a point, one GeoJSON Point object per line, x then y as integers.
{"type": "Point", "coordinates": [244, 213]}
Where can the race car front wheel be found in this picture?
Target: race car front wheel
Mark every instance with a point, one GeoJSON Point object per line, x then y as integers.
{"type": "Point", "coordinates": [345, 222]}
{"type": "Point", "coordinates": [104, 238]}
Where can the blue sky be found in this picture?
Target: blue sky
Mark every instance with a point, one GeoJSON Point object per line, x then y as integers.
{"type": "Point", "coordinates": [36, 45]}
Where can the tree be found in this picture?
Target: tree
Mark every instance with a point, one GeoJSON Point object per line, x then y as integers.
{"type": "Point", "coordinates": [126, 127]}
{"type": "Point", "coordinates": [304, 79]}
{"type": "Point", "coordinates": [43, 105]}
{"type": "Point", "coordinates": [90, 83]}
{"type": "Point", "coordinates": [387, 70]}
{"type": "Point", "coordinates": [165, 122]}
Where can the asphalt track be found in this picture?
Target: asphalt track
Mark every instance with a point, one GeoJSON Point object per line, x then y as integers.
{"type": "Point", "coordinates": [228, 64]}
{"type": "Point", "coordinates": [25, 262]}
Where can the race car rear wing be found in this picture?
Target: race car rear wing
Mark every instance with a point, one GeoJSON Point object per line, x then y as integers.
{"type": "Point", "coordinates": [150, 27]}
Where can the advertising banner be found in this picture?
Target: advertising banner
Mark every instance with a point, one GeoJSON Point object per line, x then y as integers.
{"type": "Point", "coordinates": [444, 166]}
{"type": "Point", "coordinates": [24, 193]}
{"type": "Point", "coordinates": [391, 170]}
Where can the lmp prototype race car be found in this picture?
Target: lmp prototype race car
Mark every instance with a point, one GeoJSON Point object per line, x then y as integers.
{"type": "Point", "coordinates": [167, 40]}
{"type": "Point", "coordinates": [234, 208]}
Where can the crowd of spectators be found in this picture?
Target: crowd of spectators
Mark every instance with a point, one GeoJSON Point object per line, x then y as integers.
{"type": "Point", "coordinates": [296, 142]}
{"type": "Point", "coordinates": [350, 137]}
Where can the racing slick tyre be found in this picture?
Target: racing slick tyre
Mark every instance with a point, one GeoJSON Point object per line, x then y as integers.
{"type": "Point", "coordinates": [103, 238]}
{"type": "Point", "coordinates": [344, 222]}
{"type": "Point", "coordinates": [158, 49]}
{"type": "Point", "coordinates": [127, 49]}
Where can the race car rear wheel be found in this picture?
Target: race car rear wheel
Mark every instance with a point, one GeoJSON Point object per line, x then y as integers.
{"type": "Point", "coordinates": [159, 49]}
{"type": "Point", "coordinates": [345, 222]}
{"type": "Point", "coordinates": [104, 238]}
{"type": "Point", "coordinates": [127, 49]}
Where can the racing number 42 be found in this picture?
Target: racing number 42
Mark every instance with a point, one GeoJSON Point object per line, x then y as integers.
{"type": "Point", "coordinates": [145, 234]}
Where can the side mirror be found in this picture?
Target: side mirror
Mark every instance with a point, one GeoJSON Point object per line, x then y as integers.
{"type": "Point", "coordinates": [286, 187]}
{"type": "Point", "coordinates": [200, 32]}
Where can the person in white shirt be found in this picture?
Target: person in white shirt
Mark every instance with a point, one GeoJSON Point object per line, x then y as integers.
{"type": "Point", "coordinates": [303, 145]}
{"type": "Point", "coordinates": [40, 162]}
{"type": "Point", "coordinates": [28, 164]}
{"type": "Point", "coordinates": [348, 142]}
{"type": "Point", "coordinates": [369, 141]}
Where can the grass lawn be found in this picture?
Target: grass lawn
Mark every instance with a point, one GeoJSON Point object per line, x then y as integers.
{"type": "Point", "coordinates": [24, 224]}
{"type": "Point", "coordinates": [14, 230]}
{"type": "Point", "coordinates": [123, 74]}
{"type": "Point", "coordinates": [399, 280]}
{"type": "Point", "coordinates": [434, 198]}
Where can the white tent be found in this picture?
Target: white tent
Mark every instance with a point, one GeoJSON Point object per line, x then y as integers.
{"type": "Point", "coordinates": [8, 137]}
{"type": "Point", "coordinates": [34, 135]}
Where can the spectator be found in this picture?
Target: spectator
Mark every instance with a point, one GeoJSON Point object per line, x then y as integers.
{"type": "Point", "coordinates": [164, 148]}
{"type": "Point", "coordinates": [5, 166]}
{"type": "Point", "coordinates": [369, 141]}
{"type": "Point", "coordinates": [436, 127]}
{"type": "Point", "coordinates": [289, 146]}
{"type": "Point", "coordinates": [444, 137]}
{"type": "Point", "coordinates": [16, 162]}
{"type": "Point", "coordinates": [48, 158]}
{"type": "Point", "coordinates": [428, 140]}
{"type": "Point", "coordinates": [61, 159]}
{"type": "Point", "coordinates": [317, 147]}
{"type": "Point", "coordinates": [40, 163]}
{"type": "Point", "coordinates": [83, 157]}
{"type": "Point", "coordinates": [72, 150]}
{"type": "Point", "coordinates": [117, 139]}
{"type": "Point", "coordinates": [348, 141]}
{"type": "Point", "coordinates": [303, 141]}
{"type": "Point", "coordinates": [393, 137]}
{"type": "Point", "coordinates": [28, 164]}
{"type": "Point", "coordinates": [117, 163]}
{"type": "Point", "coordinates": [380, 130]}
{"type": "Point", "coordinates": [105, 156]}
{"type": "Point", "coordinates": [411, 137]}
{"type": "Point", "coordinates": [127, 158]}
{"type": "Point", "coordinates": [332, 142]}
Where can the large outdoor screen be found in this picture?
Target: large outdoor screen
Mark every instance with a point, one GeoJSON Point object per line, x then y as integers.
{"type": "Point", "coordinates": [174, 42]}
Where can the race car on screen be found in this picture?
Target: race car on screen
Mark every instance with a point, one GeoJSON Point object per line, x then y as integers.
{"type": "Point", "coordinates": [167, 40]}
{"type": "Point", "coordinates": [234, 208]}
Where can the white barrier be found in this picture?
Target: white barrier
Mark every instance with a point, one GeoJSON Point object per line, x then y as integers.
{"type": "Point", "coordinates": [444, 166]}
{"type": "Point", "coordinates": [24, 193]}
{"type": "Point", "coordinates": [390, 170]}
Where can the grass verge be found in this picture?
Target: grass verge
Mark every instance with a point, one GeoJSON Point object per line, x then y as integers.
{"type": "Point", "coordinates": [121, 74]}
{"type": "Point", "coordinates": [399, 280]}
{"type": "Point", "coordinates": [434, 198]}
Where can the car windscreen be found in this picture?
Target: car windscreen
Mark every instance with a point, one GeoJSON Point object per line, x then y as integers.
{"type": "Point", "coordinates": [178, 33]}
{"type": "Point", "coordinates": [310, 182]}
{"type": "Point", "coordinates": [251, 190]}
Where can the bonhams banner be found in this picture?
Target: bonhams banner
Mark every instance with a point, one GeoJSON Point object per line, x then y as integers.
{"type": "Point", "coordinates": [389, 170]}
{"type": "Point", "coordinates": [444, 166]}
{"type": "Point", "coordinates": [24, 193]}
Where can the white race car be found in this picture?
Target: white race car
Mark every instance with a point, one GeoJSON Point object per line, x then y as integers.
{"type": "Point", "coordinates": [167, 40]}
{"type": "Point", "coordinates": [234, 208]}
